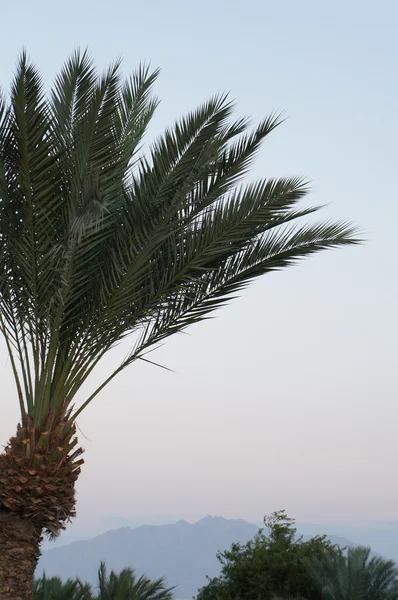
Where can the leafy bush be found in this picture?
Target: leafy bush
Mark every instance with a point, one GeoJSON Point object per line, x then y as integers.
{"type": "Point", "coordinates": [269, 565]}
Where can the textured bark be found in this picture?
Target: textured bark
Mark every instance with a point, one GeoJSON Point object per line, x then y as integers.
{"type": "Point", "coordinates": [19, 552]}
{"type": "Point", "coordinates": [38, 471]}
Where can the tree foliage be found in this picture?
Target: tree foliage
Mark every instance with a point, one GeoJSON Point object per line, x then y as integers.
{"type": "Point", "coordinates": [115, 586]}
{"type": "Point", "coordinates": [127, 586]}
{"type": "Point", "coordinates": [54, 588]}
{"type": "Point", "coordinates": [354, 575]}
{"type": "Point", "coordinates": [273, 564]}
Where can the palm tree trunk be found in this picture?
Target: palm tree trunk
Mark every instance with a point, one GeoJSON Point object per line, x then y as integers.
{"type": "Point", "coordinates": [19, 552]}
{"type": "Point", "coordinates": [37, 495]}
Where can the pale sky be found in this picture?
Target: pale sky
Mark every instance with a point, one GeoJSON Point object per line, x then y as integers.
{"type": "Point", "coordinates": [288, 399]}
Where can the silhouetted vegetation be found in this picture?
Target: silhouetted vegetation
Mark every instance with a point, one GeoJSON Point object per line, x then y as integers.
{"type": "Point", "coordinates": [275, 565]}
{"type": "Point", "coordinates": [123, 586]}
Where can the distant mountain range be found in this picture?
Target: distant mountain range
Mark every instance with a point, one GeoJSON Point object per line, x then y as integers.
{"type": "Point", "coordinates": [183, 553]}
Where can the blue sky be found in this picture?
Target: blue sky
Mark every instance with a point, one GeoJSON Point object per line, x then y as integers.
{"type": "Point", "coordinates": [288, 399]}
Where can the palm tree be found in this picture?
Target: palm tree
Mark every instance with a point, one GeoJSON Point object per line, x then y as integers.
{"type": "Point", "coordinates": [55, 589]}
{"type": "Point", "coordinates": [354, 575]}
{"type": "Point", "coordinates": [127, 586]}
{"type": "Point", "coordinates": [98, 241]}
{"type": "Point", "coordinates": [123, 586]}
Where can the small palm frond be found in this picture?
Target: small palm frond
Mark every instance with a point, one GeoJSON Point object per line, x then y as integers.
{"type": "Point", "coordinates": [126, 586]}
{"type": "Point", "coordinates": [54, 588]}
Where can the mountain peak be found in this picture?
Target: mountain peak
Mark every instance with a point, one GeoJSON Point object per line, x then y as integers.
{"type": "Point", "coordinates": [210, 520]}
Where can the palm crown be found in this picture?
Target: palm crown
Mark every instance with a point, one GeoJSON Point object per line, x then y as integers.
{"type": "Point", "coordinates": [97, 241]}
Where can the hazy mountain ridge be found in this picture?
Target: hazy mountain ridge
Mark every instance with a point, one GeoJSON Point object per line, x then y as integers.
{"type": "Point", "coordinates": [182, 552]}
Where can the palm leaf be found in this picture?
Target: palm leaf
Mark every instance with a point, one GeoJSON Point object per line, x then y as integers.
{"type": "Point", "coordinates": [126, 585]}
{"type": "Point", "coordinates": [354, 575]}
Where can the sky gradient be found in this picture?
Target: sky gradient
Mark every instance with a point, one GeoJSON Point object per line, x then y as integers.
{"type": "Point", "coordinates": [288, 398]}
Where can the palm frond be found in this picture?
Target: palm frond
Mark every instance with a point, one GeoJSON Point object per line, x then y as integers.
{"type": "Point", "coordinates": [126, 585]}
{"type": "Point", "coordinates": [354, 575]}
